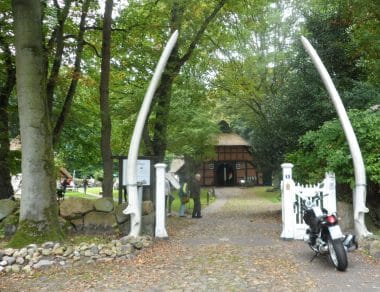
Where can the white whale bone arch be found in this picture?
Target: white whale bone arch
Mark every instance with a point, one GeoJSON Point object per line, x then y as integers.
{"type": "Point", "coordinates": [359, 194]}
{"type": "Point", "coordinates": [134, 203]}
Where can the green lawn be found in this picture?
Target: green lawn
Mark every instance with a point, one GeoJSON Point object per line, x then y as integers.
{"type": "Point", "coordinates": [92, 193]}
{"type": "Point", "coordinates": [268, 193]}
{"type": "Point", "coordinates": [177, 203]}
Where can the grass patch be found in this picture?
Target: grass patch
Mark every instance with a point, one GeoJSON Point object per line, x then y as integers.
{"type": "Point", "coordinates": [177, 202]}
{"type": "Point", "coordinates": [268, 193]}
{"type": "Point", "coordinates": [91, 193]}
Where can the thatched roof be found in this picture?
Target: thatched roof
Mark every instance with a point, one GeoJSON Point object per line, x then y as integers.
{"type": "Point", "coordinates": [231, 139]}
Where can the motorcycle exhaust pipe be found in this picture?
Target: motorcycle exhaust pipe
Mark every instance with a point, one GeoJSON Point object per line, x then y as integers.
{"type": "Point", "coordinates": [350, 243]}
{"type": "Point", "coordinates": [323, 248]}
{"type": "Point", "coordinates": [348, 238]}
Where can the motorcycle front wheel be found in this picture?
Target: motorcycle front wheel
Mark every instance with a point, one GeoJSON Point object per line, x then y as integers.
{"type": "Point", "coordinates": [337, 254]}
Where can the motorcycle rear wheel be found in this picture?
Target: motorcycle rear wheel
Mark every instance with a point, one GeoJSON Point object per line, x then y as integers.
{"type": "Point", "coordinates": [337, 254]}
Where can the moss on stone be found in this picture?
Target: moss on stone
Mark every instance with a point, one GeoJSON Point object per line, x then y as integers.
{"type": "Point", "coordinates": [11, 219]}
{"type": "Point", "coordinates": [2, 231]}
{"type": "Point", "coordinates": [29, 231]}
{"type": "Point", "coordinates": [66, 225]}
{"type": "Point", "coordinates": [8, 226]}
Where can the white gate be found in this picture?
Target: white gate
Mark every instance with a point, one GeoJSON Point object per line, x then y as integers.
{"type": "Point", "coordinates": [293, 226]}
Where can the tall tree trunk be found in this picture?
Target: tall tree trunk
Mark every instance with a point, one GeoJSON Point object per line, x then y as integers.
{"type": "Point", "coordinates": [6, 190]}
{"type": "Point", "coordinates": [38, 211]}
{"type": "Point", "coordinates": [164, 93]}
{"type": "Point", "coordinates": [75, 77]}
{"type": "Point", "coordinates": [104, 102]}
{"type": "Point", "coordinates": [58, 40]}
{"type": "Point", "coordinates": [174, 65]}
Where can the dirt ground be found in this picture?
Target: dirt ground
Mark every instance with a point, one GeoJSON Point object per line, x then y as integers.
{"type": "Point", "coordinates": [236, 246]}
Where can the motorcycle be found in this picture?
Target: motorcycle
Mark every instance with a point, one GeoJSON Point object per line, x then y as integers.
{"type": "Point", "coordinates": [324, 234]}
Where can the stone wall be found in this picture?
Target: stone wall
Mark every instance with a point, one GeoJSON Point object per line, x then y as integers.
{"type": "Point", "coordinates": [77, 215]}
{"type": "Point", "coordinates": [80, 215]}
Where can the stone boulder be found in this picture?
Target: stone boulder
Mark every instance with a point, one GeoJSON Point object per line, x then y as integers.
{"type": "Point", "coordinates": [78, 224]}
{"type": "Point", "coordinates": [104, 205]}
{"type": "Point", "coordinates": [124, 228]}
{"type": "Point", "coordinates": [377, 211]}
{"type": "Point", "coordinates": [99, 221]}
{"type": "Point", "coordinates": [137, 242]}
{"type": "Point", "coordinates": [74, 208]}
{"type": "Point", "coordinates": [9, 224]}
{"type": "Point", "coordinates": [148, 224]}
{"type": "Point", "coordinates": [374, 213]}
{"type": "Point", "coordinates": [120, 216]}
{"type": "Point", "coordinates": [147, 207]}
{"type": "Point", "coordinates": [66, 225]}
{"type": "Point", "coordinates": [346, 214]}
{"type": "Point", "coordinates": [6, 208]}
{"type": "Point", "coordinates": [374, 249]}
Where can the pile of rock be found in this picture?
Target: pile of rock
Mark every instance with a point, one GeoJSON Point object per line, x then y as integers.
{"type": "Point", "coordinates": [34, 257]}
{"type": "Point", "coordinates": [77, 215]}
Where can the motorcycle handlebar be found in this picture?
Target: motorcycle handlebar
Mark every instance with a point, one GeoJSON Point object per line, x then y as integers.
{"type": "Point", "coordinates": [314, 198]}
{"type": "Point", "coordinates": [308, 199]}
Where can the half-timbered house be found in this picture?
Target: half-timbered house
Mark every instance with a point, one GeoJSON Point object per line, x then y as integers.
{"type": "Point", "coordinates": [233, 164]}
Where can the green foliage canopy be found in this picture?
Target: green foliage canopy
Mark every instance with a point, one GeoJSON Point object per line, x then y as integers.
{"type": "Point", "coordinates": [326, 150]}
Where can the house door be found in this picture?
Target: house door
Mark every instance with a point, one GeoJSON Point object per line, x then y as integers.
{"type": "Point", "coordinates": [225, 174]}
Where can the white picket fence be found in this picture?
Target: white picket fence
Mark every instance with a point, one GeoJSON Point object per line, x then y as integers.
{"type": "Point", "coordinates": [293, 226]}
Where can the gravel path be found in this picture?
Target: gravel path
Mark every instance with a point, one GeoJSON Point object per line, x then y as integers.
{"type": "Point", "coordinates": [234, 247]}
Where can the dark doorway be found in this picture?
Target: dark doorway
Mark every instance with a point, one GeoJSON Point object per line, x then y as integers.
{"type": "Point", "coordinates": [225, 174]}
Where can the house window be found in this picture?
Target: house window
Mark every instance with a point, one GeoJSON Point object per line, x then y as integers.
{"type": "Point", "coordinates": [237, 165]}
{"type": "Point", "coordinates": [211, 166]}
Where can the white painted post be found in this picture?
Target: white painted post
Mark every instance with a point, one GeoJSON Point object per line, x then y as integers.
{"type": "Point", "coordinates": [287, 200]}
{"type": "Point", "coordinates": [134, 208]}
{"type": "Point", "coordinates": [329, 201]}
{"type": "Point", "coordinates": [360, 192]}
{"type": "Point", "coordinates": [160, 201]}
